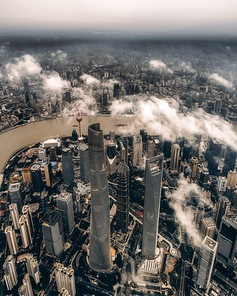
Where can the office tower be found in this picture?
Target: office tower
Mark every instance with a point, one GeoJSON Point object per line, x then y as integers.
{"type": "Point", "coordinates": [26, 91]}
{"type": "Point", "coordinates": [99, 251]}
{"type": "Point", "coordinates": [15, 194]}
{"type": "Point", "coordinates": [221, 184]}
{"type": "Point", "coordinates": [232, 179]}
{"type": "Point", "coordinates": [153, 184]}
{"type": "Point", "coordinates": [194, 167]}
{"type": "Point", "coordinates": [199, 215]}
{"type": "Point", "coordinates": [26, 175]}
{"type": "Point", "coordinates": [42, 154]}
{"type": "Point", "coordinates": [37, 179]}
{"type": "Point", "coordinates": [67, 166]}
{"type": "Point", "coordinates": [74, 135]}
{"type": "Point", "coordinates": [14, 214]}
{"type": "Point", "coordinates": [26, 211]}
{"type": "Point", "coordinates": [53, 233]}
{"type": "Point", "coordinates": [11, 240]}
{"type": "Point", "coordinates": [26, 234]}
{"type": "Point", "coordinates": [150, 148]}
{"type": "Point", "coordinates": [227, 240]}
{"type": "Point", "coordinates": [208, 227]}
{"type": "Point", "coordinates": [26, 288]}
{"type": "Point", "coordinates": [48, 173]}
{"type": "Point", "coordinates": [116, 91]}
{"type": "Point", "coordinates": [65, 278]}
{"type": "Point", "coordinates": [10, 272]}
{"type": "Point", "coordinates": [65, 207]}
{"type": "Point", "coordinates": [167, 149]}
{"type": "Point", "coordinates": [230, 160]}
{"type": "Point", "coordinates": [204, 177]}
{"type": "Point", "coordinates": [123, 151]}
{"type": "Point", "coordinates": [84, 164]}
{"type": "Point", "coordinates": [186, 155]}
{"type": "Point", "coordinates": [122, 214]}
{"type": "Point", "coordinates": [111, 157]}
{"type": "Point", "coordinates": [175, 155]}
{"type": "Point", "coordinates": [206, 262]}
{"type": "Point", "coordinates": [33, 267]}
{"type": "Point", "coordinates": [137, 151]}
{"type": "Point", "coordinates": [217, 106]}
{"type": "Point", "coordinates": [223, 207]}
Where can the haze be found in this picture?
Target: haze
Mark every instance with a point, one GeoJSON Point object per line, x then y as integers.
{"type": "Point", "coordinates": [179, 17]}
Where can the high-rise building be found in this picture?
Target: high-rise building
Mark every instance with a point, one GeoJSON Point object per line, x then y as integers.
{"type": "Point", "coordinates": [153, 185]}
{"type": "Point", "coordinates": [175, 156]}
{"type": "Point", "coordinates": [186, 155]}
{"type": "Point", "coordinates": [232, 179]}
{"type": "Point", "coordinates": [150, 148]}
{"type": "Point", "coordinates": [11, 240]}
{"type": "Point", "coordinates": [208, 227]}
{"type": "Point", "coordinates": [10, 272]}
{"type": "Point", "coordinates": [26, 175]}
{"type": "Point", "coordinates": [199, 215]}
{"type": "Point", "coordinates": [221, 184]}
{"type": "Point", "coordinates": [167, 149]}
{"type": "Point", "coordinates": [227, 240]}
{"type": "Point", "coordinates": [15, 194]}
{"type": "Point", "coordinates": [36, 177]}
{"type": "Point", "coordinates": [26, 234]}
{"type": "Point", "coordinates": [206, 262]}
{"type": "Point", "coordinates": [223, 207]}
{"type": "Point", "coordinates": [33, 267]}
{"type": "Point", "coordinates": [99, 251]}
{"type": "Point", "coordinates": [48, 173]}
{"type": "Point", "coordinates": [137, 151]}
{"type": "Point", "coordinates": [194, 167]}
{"type": "Point", "coordinates": [26, 211]}
{"type": "Point", "coordinates": [65, 207]}
{"type": "Point", "coordinates": [67, 166]}
{"type": "Point", "coordinates": [65, 279]}
{"type": "Point", "coordinates": [111, 157]}
{"type": "Point", "coordinates": [217, 106]}
{"type": "Point", "coordinates": [122, 214]}
{"type": "Point", "coordinates": [26, 288]}
{"type": "Point", "coordinates": [84, 163]}
{"type": "Point", "coordinates": [14, 214]}
{"type": "Point", "coordinates": [53, 233]}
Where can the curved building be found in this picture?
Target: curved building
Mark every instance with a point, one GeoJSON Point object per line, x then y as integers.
{"type": "Point", "coordinates": [99, 249]}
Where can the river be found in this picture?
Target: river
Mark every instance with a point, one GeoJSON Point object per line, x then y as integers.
{"type": "Point", "coordinates": [22, 136]}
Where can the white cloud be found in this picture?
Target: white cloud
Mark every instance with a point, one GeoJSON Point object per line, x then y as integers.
{"type": "Point", "coordinates": [159, 66]}
{"type": "Point", "coordinates": [54, 83]}
{"type": "Point", "coordinates": [89, 80]}
{"type": "Point", "coordinates": [217, 79]}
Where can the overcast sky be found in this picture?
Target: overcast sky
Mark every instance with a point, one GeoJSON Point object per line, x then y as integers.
{"type": "Point", "coordinates": [171, 17]}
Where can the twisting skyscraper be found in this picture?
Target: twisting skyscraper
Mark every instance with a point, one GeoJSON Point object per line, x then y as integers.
{"type": "Point", "coordinates": [99, 250]}
{"type": "Point", "coordinates": [154, 173]}
{"type": "Point", "coordinates": [122, 214]}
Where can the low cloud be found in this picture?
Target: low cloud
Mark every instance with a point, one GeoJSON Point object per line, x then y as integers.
{"type": "Point", "coordinates": [185, 67]}
{"type": "Point", "coordinates": [217, 79]}
{"type": "Point", "coordinates": [54, 83]}
{"type": "Point", "coordinates": [159, 66]}
{"type": "Point", "coordinates": [89, 80]}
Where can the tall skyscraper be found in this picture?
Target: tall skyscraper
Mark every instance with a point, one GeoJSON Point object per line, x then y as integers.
{"type": "Point", "coordinates": [11, 240]}
{"type": "Point", "coordinates": [53, 233]}
{"type": "Point", "coordinates": [26, 234]}
{"type": "Point", "coordinates": [84, 163]}
{"type": "Point", "coordinates": [223, 207]}
{"type": "Point", "coordinates": [232, 179]}
{"type": "Point", "coordinates": [36, 176]}
{"type": "Point", "coordinates": [26, 211]}
{"type": "Point", "coordinates": [99, 251]}
{"type": "Point", "coordinates": [14, 214]}
{"type": "Point", "coordinates": [26, 175]}
{"type": "Point", "coordinates": [206, 262]}
{"type": "Point", "coordinates": [137, 151]}
{"type": "Point", "coordinates": [67, 166]}
{"type": "Point", "coordinates": [111, 157]}
{"type": "Point", "coordinates": [194, 167]}
{"type": "Point", "coordinates": [122, 214]}
{"type": "Point", "coordinates": [150, 148]}
{"type": "Point", "coordinates": [175, 155]}
{"type": "Point", "coordinates": [153, 185]}
{"type": "Point", "coordinates": [48, 173]}
{"type": "Point", "coordinates": [227, 240]}
{"type": "Point", "coordinates": [65, 207]}
{"type": "Point", "coordinates": [26, 288]}
{"type": "Point", "coordinates": [33, 267]}
{"type": "Point", "coordinates": [10, 272]}
{"type": "Point", "coordinates": [15, 194]}
{"type": "Point", "coordinates": [199, 214]}
{"type": "Point", "coordinates": [208, 227]}
{"type": "Point", "coordinates": [65, 279]}
{"type": "Point", "coordinates": [222, 184]}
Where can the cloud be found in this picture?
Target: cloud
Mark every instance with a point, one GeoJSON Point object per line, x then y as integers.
{"type": "Point", "coordinates": [23, 68]}
{"type": "Point", "coordinates": [217, 79]}
{"type": "Point", "coordinates": [162, 117]}
{"type": "Point", "coordinates": [89, 80]}
{"type": "Point", "coordinates": [185, 67]}
{"type": "Point", "coordinates": [59, 56]}
{"type": "Point", "coordinates": [184, 214]}
{"type": "Point", "coordinates": [109, 83]}
{"type": "Point", "coordinates": [54, 83]}
{"type": "Point", "coordinates": [159, 66]}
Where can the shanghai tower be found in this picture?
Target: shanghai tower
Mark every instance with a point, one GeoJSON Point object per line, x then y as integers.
{"type": "Point", "coordinates": [153, 184]}
{"type": "Point", "coordinates": [99, 248]}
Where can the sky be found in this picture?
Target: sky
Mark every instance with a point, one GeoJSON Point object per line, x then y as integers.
{"type": "Point", "coordinates": [161, 17]}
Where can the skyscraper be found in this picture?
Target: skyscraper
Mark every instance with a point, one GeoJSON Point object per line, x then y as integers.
{"type": "Point", "coordinates": [65, 279]}
{"type": "Point", "coordinates": [175, 155]}
{"type": "Point", "coordinates": [37, 179]}
{"type": "Point", "coordinates": [14, 215]}
{"type": "Point", "coordinates": [84, 163]}
{"type": "Point", "coordinates": [153, 184]}
{"type": "Point", "coordinates": [111, 157]}
{"type": "Point", "coordinates": [11, 240]}
{"type": "Point", "coordinates": [232, 179]}
{"type": "Point", "coordinates": [26, 175]}
{"type": "Point", "coordinates": [33, 267]}
{"type": "Point", "coordinates": [99, 251]}
{"type": "Point", "coordinates": [26, 234]}
{"type": "Point", "coordinates": [67, 166]}
{"type": "Point", "coordinates": [208, 227]}
{"type": "Point", "coordinates": [137, 150]}
{"type": "Point", "coordinates": [122, 214]}
{"type": "Point", "coordinates": [53, 233]}
{"type": "Point", "coordinates": [65, 206]}
{"type": "Point", "coordinates": [223, 207]}
{"type": "Point", "coordinates": [206, 262]}
{"type": "Point", "coordinates": [15, 194]}
{"type": "Point", "coordinates": [26, 288]}
{"type": "Point", "coordinates": [10, 272]}
{"type": "Point", "coordinates": [26, 211]}
{"type": "Point", "coordinates": [194, 167]}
